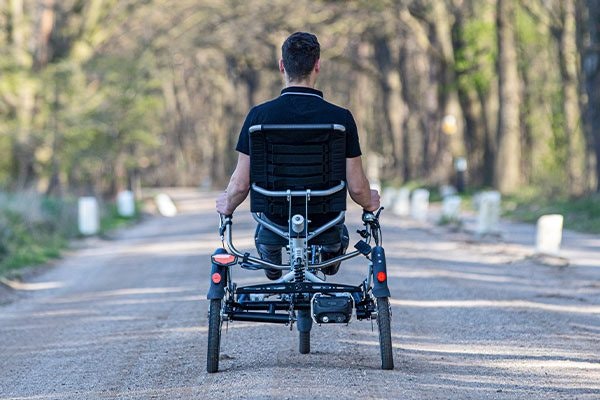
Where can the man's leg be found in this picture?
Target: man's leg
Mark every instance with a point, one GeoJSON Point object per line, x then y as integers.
{"type": "Point", "coordinates": [270, 253]}
{"type": "Point", "coordinates": [333, 250]}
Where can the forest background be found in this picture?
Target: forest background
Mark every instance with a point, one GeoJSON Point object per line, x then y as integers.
{"type": "Point", "coordinates": [101, 95]}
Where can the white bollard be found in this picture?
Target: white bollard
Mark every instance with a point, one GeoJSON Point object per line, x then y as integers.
{"type": "Point", "coordinates": [388, 197]}
{"type": "Point", "coordinates": [451, 207]}
{"type": "Point", "coordinates": [165, 205]}
{"type": "Point", "coordinates": [549, 234]}
{"type": "Point", "coordinates": [447, 190]}
{"type": "Point", "coordinates": [88, 216]}
{"type": "Point", "coordinates": [401, 205]}
{"type": "Point", "coordinates": [419, 205]}
{"type": "Point", "coordinates": [126, 204]}
{"type": "Point", "coordinates": [489, 212]}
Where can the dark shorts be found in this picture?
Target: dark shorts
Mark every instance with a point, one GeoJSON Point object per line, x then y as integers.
{"type": "Point", "coordinates": [333, 242]}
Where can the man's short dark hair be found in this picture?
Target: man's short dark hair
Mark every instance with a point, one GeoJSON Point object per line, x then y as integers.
{"type": "Point", "coordinates": [300, 52]}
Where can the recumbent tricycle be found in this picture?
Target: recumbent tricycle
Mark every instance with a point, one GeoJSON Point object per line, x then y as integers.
{"type": "Point", "coordinates": [298, 173]}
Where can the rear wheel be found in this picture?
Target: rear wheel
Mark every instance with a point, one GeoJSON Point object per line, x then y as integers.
{"type": "Point", "coordinates": [304, 346]}
{"type": "Point", "coordinates": [384, 318]}
{"type": "Point", "coordinates": [214, 335]}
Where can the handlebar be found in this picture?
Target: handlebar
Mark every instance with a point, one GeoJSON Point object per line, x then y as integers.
{"type": "Point", "coordinates": [371, 216]}
{"type": "Point", "coordinates": [371, 221]}
{"type": "Point", "coordinates": [224, 221]}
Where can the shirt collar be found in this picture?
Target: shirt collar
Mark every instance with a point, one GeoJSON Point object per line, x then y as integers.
{"type": "Point", "coordinates": [303, 90]}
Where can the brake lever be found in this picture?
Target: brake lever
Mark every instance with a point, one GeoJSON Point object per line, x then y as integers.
{"type": "Point", "coordinates": [224, 221]}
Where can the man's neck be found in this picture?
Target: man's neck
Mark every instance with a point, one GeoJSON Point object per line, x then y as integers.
{"type": "Point", "coordinates": [307, 83]}
{"type": "Point", "coordinates": [298, 84]}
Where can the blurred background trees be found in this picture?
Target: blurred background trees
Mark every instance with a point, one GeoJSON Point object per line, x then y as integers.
{"type": "Point", "coordinates": [99, 95]}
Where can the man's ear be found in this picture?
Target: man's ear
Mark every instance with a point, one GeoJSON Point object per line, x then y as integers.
{"type": "Point", "coordinates": [281, 67]}
{"type": "Point", "coordinates": [318, 66]}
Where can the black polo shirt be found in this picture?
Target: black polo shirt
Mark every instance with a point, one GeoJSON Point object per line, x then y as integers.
{"type": "Point", "coordinates": [300, 105]}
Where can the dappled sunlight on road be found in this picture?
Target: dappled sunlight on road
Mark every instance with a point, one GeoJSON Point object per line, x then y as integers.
{"type": "Point", "coordinates": [517, 304]}
{"type": "Point", "coordinates": [99, 341]}
{"type": "Point", "coordinates": [440, 273]}
{"type": "Point", "coordinates": [50, 314]}
{"type": "Point", "coordinates": [452, 363]}
{"type": "Point", "coordinates": [113, 394]}
{"type": "Point", "coordinates": [16, 285]}
{"type": "Point", "coordinates": [90, 296]}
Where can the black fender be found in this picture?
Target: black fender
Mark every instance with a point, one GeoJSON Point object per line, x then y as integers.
{"type": "Point", "coordinates": [380, 288]}
{"type": "Point", "coordinates": [217, 290]}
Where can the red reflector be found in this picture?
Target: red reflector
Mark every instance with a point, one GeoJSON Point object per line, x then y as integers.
{"type": "Point", "coordinates": [216, 277]}
{"type": "Point", "coordinates": [381, 276]}
{"type": "Point", "coordinates": [223, 259]}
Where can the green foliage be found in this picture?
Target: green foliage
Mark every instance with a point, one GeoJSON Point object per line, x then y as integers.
{"type": "Point", "coordinates": [476, 58]}
{"type": "Point", "coordinates": [111, 219]}
{"type": "Point", "coordinates": [34, 229]}
{"type": "Point", "coordinates": [159, 89]}
{"type": "Point", "coordinates": [30, 239]}
{"type": "Point", "coordinates": [580, 214]}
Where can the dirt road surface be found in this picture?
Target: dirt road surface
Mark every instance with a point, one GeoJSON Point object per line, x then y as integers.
{"type": "Point", "coordinates": [472, 319]}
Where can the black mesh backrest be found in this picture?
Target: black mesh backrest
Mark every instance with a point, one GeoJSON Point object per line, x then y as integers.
{"type": "Point", "coordinates": [297, 157]}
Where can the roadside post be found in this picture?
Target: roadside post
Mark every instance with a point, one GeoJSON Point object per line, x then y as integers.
{"type": "Point", "coordinates": [549, 234]}
{"type": "Point", "coordinates": [460, 166]}
{"type": "Point", "coordinates": [126, 204]}
{"type": "Point", "coordinates": [88, 216]}
{"type": "Point", "coordinates": [451, 208]}
{"type": "Point", "coordinates": [489, 212]}
{"type": "Point", "coordinates": [401, 205]}
{"type": "Point", "coordinates": [420, 204]}
{"type": "Point", "coordinates": [165, 205]}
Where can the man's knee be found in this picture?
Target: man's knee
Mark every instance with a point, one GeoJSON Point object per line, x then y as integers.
{"type": "Point", "coordinates": [271, 253]}
{"type": "Point", "coordinates": [334, 250]}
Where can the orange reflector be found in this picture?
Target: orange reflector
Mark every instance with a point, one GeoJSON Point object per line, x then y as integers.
{"type": "Point", "coordinates": [223, 259]}
{"type": "Point", "coordinates": [381, 276]}
{"type": "Point", "coordinates": [216, 277]}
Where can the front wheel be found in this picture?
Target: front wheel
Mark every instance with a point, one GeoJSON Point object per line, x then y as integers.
{"type": "Point", "coordinates": [304, 343]}
{"type": "Point", "coordinates": [384, 318]}
{"type": "Point", "coordinates": [214, 335]}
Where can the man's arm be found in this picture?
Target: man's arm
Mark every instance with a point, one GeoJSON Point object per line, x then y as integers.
{"type": "Point", "coordinates": [358, 185]}
{"type": "Point", "coordinates": [238, 187]}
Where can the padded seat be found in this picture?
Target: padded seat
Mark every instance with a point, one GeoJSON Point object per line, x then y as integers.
{"type": "Point", "coordinates": [298, 157]}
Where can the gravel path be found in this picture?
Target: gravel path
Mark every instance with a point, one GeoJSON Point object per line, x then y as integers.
{"type": "Point", "coordinates": [472, 319]}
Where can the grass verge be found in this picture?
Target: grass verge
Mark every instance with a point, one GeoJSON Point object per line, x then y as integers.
{"type": "Point", "coordinates": [35, 229]}
{"type": "Point", "coordinates": [580, 214]}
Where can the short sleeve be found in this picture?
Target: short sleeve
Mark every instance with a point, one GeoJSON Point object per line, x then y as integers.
{"type": "Point", "coordinates": [243, 144]}
{"type": "Point", "coordinates": [352, 143]}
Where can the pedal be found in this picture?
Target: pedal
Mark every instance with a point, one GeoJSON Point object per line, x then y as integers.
{"type": "Point", "coordinates": [363, 247]}
{"type": "Point", "coordinates": [328, 309]}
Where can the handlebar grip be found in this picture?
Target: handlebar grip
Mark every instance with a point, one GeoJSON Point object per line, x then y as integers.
{"type": "Point", "coordinates": [368, 216]}
{"type": "Point", "coordinates": [225, 220]}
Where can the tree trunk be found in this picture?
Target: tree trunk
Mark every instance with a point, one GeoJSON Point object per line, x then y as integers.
{"type": "Point", "coordinates": [592, 80]}
{"type": "Point", "coordinates": [569, 65]}
{"type": "Point", "coordinates": [392, 107]}
{"type": "Point", "coordinates": [44, 32]}
{"type": "Point", "coordinates": [507, 172]}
